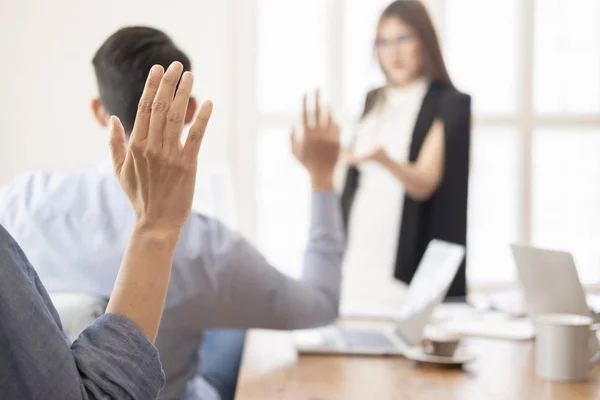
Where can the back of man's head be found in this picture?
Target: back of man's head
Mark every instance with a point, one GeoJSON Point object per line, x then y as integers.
{"type": "Point", "coordinates": [122, 64]}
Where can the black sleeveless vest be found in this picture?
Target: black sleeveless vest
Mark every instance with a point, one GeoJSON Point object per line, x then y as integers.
{"type": "Point", "coordinates": [444, 215]}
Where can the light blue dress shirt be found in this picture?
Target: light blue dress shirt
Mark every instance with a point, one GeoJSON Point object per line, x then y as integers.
{"type": "Point", "coordinates": [74, 228]}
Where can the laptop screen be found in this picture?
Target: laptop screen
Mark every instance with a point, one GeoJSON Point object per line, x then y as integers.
{"type": "Point", "coordinates": [550, 281]}
{"type": "Point", "coordinates": [428, 287]}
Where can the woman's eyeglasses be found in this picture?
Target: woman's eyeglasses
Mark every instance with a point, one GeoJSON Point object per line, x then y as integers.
{"type": "Point", "coordinates": [398, 41]}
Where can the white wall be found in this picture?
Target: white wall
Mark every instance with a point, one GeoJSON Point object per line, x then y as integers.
{"type": "Point", "coordinates": [47, 82]}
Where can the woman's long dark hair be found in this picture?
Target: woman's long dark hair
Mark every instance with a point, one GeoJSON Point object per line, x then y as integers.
{"type": "Point", "coordinates": [414, 14]}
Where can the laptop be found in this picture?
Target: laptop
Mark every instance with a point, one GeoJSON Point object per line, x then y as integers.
{"type": "Point", "coordinates": [550, 282]}
{"type": "Point", "coordinates": [427, 290]}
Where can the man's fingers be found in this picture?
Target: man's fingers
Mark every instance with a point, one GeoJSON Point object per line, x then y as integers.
{"type": "Point", "coordinates": [333, 130]}
{"type": "Point", "coordinates": [176, 114]}
{"type": "Point", "coordinates": [305, 112]}
{"type": "Point", "coordinates": [196, 134]}
{"type": "Point", "coordinates": [336, 131]}
{"type": "Point", "coordinates": [142, 118]}
{"type": "Point", "coordinates": [318, 108]}
{"type": "Point", "coordinates": [118, 147]}
{"type": "Point", "coordinates": [294, 142]}
{"type": "Point", "coordinates": [162, 104]}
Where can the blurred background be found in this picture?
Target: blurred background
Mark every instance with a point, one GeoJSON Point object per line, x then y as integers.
{"type": "Point", "coordinates": [531, 66]}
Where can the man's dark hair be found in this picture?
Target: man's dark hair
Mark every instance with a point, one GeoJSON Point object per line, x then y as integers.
{"type": "Point", "coordinates": [122, 64]}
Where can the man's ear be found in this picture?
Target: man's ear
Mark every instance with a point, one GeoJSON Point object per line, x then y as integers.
{"type": "Point", "coordinates": [100, 113]}
{"type": "Point", "coordinates": [191, 110]}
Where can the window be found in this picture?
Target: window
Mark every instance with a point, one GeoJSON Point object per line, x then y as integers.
{"type": "Point", "coordinates": [360, 66]}
{"type": "Point", "coordinates": [283, 202]}
{"type": "Point", "coordinates": [493, 203]}
{"type": "Point", "coordinates": [483, 64]}
{"type": "Point", "coordinates": [566, 194]}
{"type": "Point", "coordinates": [565, 189]}
{"type": "Point", "coordinates": [567, 57]}
{"type": "Point", "coordinates": [291, 58]}
{"type": "Point", "coordinates": [533, 70]}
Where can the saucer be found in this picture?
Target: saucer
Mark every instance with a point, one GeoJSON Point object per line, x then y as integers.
{"type": "Point", "coordinates": [460, 357]}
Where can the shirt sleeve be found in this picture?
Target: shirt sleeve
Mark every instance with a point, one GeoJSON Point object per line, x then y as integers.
{"type": "Point", "coordinates": [236, 287]}
{"type": "Point", "coordinates": [115, 360]}
{"type": "Point", "coordinates": [112, 359]}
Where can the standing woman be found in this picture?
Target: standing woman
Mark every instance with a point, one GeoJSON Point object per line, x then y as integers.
{"type": "Point", "coordinates": [408, 167]}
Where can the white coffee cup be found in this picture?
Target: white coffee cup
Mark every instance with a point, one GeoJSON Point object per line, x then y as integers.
{"type": "Point", "coordinates": [564, 350]}
{"type": "Point", "coordinates": [440, 343]}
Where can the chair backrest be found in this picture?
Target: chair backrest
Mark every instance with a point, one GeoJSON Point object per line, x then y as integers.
{"type": "Point", "coordinates": [77, 311]}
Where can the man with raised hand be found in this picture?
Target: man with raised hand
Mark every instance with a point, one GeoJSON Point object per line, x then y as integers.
{"type": "Point", "coordinates": [114, 358]}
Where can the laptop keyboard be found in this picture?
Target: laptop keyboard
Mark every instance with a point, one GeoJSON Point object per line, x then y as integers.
{"type": "Point", "coordinates": [368, 339]}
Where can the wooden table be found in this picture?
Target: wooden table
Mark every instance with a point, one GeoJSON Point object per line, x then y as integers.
{"type": "Point", "coordinates": [504, 370]}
